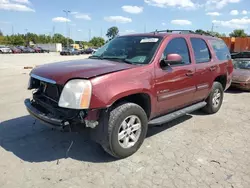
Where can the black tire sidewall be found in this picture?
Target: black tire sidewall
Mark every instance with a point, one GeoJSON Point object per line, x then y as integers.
{"type": "Point", "coordinates": [216, 86]}
{"type": "Point", "coordinates": [113, 140]}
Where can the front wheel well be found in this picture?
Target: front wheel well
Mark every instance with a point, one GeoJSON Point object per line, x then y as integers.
{"type": "Point", "coordinates": [222, 79]}
{"type": "Point", "coordinates": [141, 99]}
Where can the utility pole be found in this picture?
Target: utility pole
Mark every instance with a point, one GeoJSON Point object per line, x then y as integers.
{"type": "Point", "coordinates": [89, 34]}
{"type": "Point", "coordinates": [67, 25]}
{"type": "Point", "coordinates": [212, 29]}
{"type": "Point", "coordinates": [12, 29]}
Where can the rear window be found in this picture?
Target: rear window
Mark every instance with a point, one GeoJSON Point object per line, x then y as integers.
{"type": "Point", "coordinates": [201, 51]}
{"type": "Point", "coordinates": [221, 50]}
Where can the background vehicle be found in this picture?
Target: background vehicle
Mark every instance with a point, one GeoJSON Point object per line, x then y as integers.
{"type": "Point", "coordinates": [30, 50]}
{"type": "Point", "coordinates": [70, 51]}
{"type": "Point", "coordinates": [23, 49]}
{"type": "Point", "coordinates": [43, 50]}
{"type": "Point", "coordinates": [37, 50]}
{"type": "Point", "coordinates": [241, 73]}
{"type": "Point", "coordinates": [5, 50]}
{"type": "Point", "coordinates": [89, 51]}
{"type": "Point", "coordinates": [15, 50]}
{"type": "Point", "coordinates": [130, 82]}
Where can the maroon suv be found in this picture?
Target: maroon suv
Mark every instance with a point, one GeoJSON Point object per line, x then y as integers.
{"type": "Point", "coordinates": [130, 82]}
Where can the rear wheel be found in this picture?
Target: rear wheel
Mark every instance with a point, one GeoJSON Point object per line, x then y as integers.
{"type": "Point", "coordinates": [127, 129]}
{"type": "Point", "coordinates": [215, 99]}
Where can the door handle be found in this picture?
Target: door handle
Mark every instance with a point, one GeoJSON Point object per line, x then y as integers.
{"type": "Point", "coordinates": [213, 68]}
{"type": "Point", "coordinates": [190, 73]}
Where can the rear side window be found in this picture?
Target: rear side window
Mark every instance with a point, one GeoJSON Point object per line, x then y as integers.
{"type": "Point", "coordinates": [221, 50]}
{"type": "Point", "coordinates": [201, 51]}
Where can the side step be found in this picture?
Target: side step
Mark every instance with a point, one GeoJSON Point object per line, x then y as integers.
{"type": "Point", "coordinates": [176, 114]}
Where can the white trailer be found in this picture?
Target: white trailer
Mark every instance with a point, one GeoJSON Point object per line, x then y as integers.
{"type": "Point", "coordinates": [52, 47]}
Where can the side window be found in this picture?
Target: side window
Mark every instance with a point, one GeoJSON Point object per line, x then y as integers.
{"type": "Point", "coordinates": [201, 51]}
{"type": "Point", "coordinates": [221, 50]}
{"type": "Point", "coordinates": [178, 46]}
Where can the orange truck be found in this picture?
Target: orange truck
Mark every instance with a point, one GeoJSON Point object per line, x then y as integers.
{"type": "Point", "coordinates": [237, 44]}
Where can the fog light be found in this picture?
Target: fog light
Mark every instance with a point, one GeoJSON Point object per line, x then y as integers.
{"type": "Point", "coordinates": [91, 124]}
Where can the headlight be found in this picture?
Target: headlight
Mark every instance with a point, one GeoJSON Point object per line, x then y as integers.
{"type": "Point", "coordinates": [76, 94]}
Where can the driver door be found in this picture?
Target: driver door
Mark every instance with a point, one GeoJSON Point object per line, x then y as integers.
{"type": "Point", "coordinates": [175, 85]}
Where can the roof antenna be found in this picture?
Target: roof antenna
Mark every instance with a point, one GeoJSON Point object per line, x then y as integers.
{"type": "Point", "coordinates": [155, 31]}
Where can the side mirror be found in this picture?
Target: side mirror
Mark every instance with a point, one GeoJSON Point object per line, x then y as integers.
{"type": "Point", "coordinates": [172, 59]}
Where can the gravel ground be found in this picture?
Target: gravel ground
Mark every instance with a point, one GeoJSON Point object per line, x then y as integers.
{"type": "Point", "coordinates": [195, 151]}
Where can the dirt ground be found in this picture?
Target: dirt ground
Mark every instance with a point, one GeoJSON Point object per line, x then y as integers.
{"type": "Point", "coordinates": [195, 151]}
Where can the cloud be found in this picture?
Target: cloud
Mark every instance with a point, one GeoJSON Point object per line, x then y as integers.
{"type": "Point", "coordinates": [128, 31]}
{"type": "Point", "coordinates": [60, 19]}
{"type": "Point", "coordinates": [234, 12]}
{"type": "Point", "coordinates": [244, 12]}
{"type": "Point", "coordinates": [213, 13]}
{"type": "Point", "coordinates": [234, 23]}
{"type": "Point", "coordinates": [172, 3]}
{"type": "Point", "coordinates": [132, 9]}
{"type": "Point", "coordinates": [15, 5]}
{"type": "Point", "coordinates": [181, 22]}
{"type": "Point", "coordinates": [22, 1]}
{"type": "Point", "coordinates": [163, 23]}
{"type": "Point", "coordinates": [82, 16]}
{"type": "Point", "coordinates": [4, 22]}
{"type": "Point", "coordinates": [219, 4]}
{"type": "Point", "coordinates": [118, 19]}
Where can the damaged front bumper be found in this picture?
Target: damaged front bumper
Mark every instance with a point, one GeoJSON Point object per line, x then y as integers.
{"type": "Point", "coordinates": [50, 121]}
{"type": "Point", "coordinates": [56, 120]}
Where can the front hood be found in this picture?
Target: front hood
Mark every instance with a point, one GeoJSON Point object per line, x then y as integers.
{"type": "Point", "coordinates": [241, 75]}
{"type": "Point", "coordinates": [61, 72]}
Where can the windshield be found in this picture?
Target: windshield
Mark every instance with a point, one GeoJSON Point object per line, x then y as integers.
{"type": "Point", "coordinates": [241, 64]}
{"type": "Point", "coordinates": [133, 49]}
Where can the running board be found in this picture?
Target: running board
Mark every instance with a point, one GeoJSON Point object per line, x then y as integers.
{"type": "Point", "coordinates": [176, 114]}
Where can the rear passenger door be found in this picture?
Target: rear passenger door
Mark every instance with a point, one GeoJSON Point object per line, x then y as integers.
{"type": "Point", "coordinates": [204, 68]}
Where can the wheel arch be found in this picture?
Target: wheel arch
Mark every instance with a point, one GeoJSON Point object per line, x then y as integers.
{"type": "Point", "coordinates": [222, 79]}
{"type": "Point", "coordinates": [142, 99]}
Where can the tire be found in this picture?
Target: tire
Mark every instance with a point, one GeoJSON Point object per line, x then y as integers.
{"type": "Point", "coordinates": [118, 115]}
{"type": "Point", "coordinates": [216, 94]}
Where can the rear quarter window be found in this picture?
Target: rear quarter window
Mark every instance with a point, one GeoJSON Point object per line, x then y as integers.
{"type": "Point", "coordinates": [221, 50]}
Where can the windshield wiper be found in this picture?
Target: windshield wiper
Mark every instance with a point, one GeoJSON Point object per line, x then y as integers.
{"type": "Point", "coordinates": [95, 57]}
{"type": "Point", "coordinates": [124, 60]}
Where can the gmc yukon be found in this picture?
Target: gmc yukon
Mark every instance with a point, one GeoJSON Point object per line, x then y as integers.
{"type": "Point", "coordinates": [130, 82]}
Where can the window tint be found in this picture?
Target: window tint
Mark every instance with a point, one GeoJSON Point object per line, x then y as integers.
{"type": "Point", "coordinates": [178, 46]}
{"type": "Point", "coordinates": [201, 51]}
{"type": "Point", "coordinates": [221, 50]}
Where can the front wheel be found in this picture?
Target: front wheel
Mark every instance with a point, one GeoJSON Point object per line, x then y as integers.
{"type": "Point", "coordinates": [215, 99]}
{"type": "Point", "coordinates": [127, 129]}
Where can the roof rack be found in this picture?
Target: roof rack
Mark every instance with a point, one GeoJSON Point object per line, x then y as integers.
{"type": "Point", "coordinates": [180, 31]}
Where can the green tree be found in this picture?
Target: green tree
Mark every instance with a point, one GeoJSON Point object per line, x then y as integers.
{"type": "Point", "coordinates": [238, 33]}
{"type": "Point", "coordinates": [97, 41]}
{"type": "Point", "coordinates": [112, 32]}
{"type": "Point", "coordinates": [16, 40]}
{"type": "Point", "coordinates": [202, 32]}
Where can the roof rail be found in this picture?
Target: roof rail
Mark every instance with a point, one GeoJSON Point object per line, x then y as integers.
{"type": "Point", "coordinates": [180, 31]}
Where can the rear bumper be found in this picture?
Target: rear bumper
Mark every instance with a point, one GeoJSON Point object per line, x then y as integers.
{"type": "Point", "coordinates": [49, 121]}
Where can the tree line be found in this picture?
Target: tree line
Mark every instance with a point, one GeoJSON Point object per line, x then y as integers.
{"type": "Point", "coordinates": [25, 39]}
